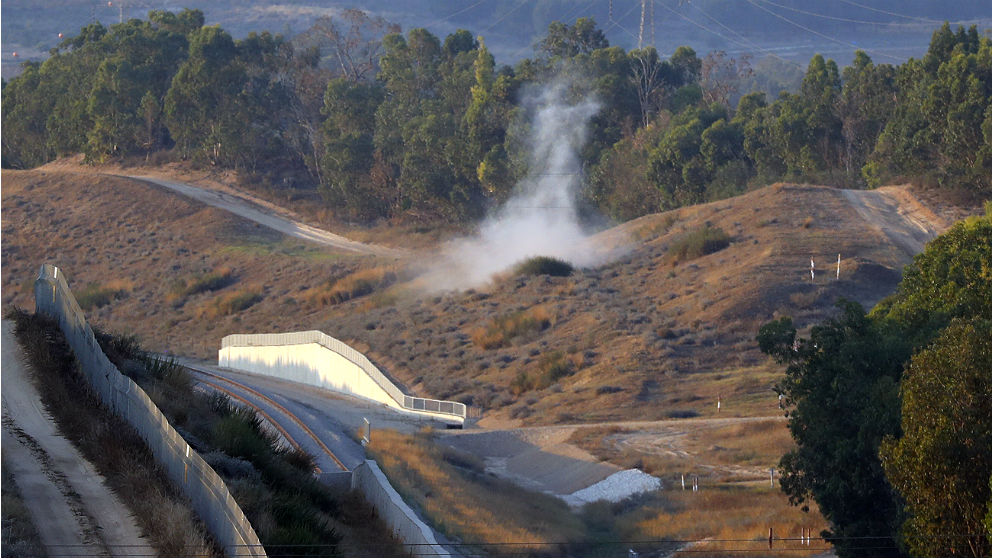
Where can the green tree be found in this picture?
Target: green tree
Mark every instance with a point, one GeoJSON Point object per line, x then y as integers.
{"type": "Point", "coordinates": [951, 278]}
{"type": "Point", "coordinates": [24, 113]}
{"type": "Point", "coordinates": [841, 395]}
{"type": "Point", "coordinates": [864, 107]}
{"type": "Point", "coordinates": [943, 459]}
{"type": "Point", "coordinates": [349, 109]}
{"type": "Point", "coordinates": [566, 41]}
{"type": "Point", "coordinates": [205, 82]}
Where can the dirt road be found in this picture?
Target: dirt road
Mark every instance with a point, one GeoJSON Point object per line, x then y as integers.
{"type": "Point", "coordinates": [899, 215]}
{"type": "Point", "coordinates": [73, 510]}
{"type": "Point", "coordinates": [252, 210]}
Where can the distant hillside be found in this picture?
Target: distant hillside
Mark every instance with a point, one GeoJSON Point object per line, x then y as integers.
{"type": "Point", "coordinates": [657, 333]}
{"type": "Point", "coordinates": [791, 29]}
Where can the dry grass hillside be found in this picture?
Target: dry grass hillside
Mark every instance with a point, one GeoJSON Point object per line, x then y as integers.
{"type": "Point", "coordinates": [661, 332]}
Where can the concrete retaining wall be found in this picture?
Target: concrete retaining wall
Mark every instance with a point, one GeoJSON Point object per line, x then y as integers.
{"type": "Point", "coordinates": [317, 359]}
{"type": "Point", "coordinates": [373, 484]}
{"type": "Point", "coordinates": [185, 468]}
{"type": "Point", "coordinates": [310, 364]}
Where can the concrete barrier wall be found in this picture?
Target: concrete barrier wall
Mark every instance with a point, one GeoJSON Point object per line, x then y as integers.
{"type": "Point", "coordinates": [368, 479]}
{"type": "Point", "coordinates": [207, 492]}
{"type": "Point", "coordinates": [310, 364]}
{"type": "Point", "coordinates": [317, 359]}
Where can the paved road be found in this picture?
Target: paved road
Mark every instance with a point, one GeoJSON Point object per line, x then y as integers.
{"type": "Point", "coordinates": [72, 508]}
{"type": "Point", "coordinates": [247, 208]}
{"type": "Point", "coordinates": [335, 419]}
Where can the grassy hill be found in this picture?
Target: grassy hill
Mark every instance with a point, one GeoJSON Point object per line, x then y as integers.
{"type": "Point", "coordinates": [663, 331]}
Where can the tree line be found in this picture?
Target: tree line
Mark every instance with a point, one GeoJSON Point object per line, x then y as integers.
{"type": "Point", "coordinates": [387, 124]}
{"type": "Point", "coordinates": [891, 410]}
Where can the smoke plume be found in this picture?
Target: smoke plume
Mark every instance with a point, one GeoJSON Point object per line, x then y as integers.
{"type": "Point", "coordinates": [541, 217]}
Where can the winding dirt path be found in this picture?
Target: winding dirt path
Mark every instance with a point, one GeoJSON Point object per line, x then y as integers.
{"type": "Point", "coordinates": [899, 215]}
{"type": "Point", "coordinates": [252, 210]}
{"type": "Point", "coordinates": [73, 510]}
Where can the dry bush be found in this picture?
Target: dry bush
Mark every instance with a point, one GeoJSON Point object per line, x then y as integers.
{"type": "Point", "coordinates": [515, 328]}
{"type": "Point", "coordinates": [698, 242]}
{"type": "Point", "coordinates": [215, 280]}
{"type": "Point", "coordinates": [551, 367]}
{"type": "Point", "coordinates": [354, 285]}
{"type": "Point", "coordinates": [228, 304]}
{"type": "Point", "coordinates": [97, 295]}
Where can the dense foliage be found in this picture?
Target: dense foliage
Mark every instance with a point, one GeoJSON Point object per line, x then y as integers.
{"type": "Point", "coordinates": [943, 460]}
{"type": "Point", "coordinates": [896, 447]}
{"type": "Point", "coordinates": [387, 124]}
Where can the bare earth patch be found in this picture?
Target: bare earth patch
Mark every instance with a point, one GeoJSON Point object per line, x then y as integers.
{"type": "Point", "coordinates": [76, 514]}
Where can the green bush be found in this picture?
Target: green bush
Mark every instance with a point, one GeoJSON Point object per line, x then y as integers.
{"type": "Point", "coordinates": [552, 367]}
{"type": "Point", "coordinates": [95, 295]}
{"type": "Point", "coordinates": [545, 265]}
{"type": "Point", "coordinates": [210, 282]}
{"type": "Point", "coordinates": [699, 242]}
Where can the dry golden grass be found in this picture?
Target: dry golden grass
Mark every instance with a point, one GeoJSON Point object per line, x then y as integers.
{"type": "Point", "coordinates": [720, 453]}
{"type": "Point", "coordinates": [354, 285]}
{"type": "Point", "coordinates": [230, 303]}
{"type": "Point", "coordinates": [470, 505]}
{"type": "Point", "coordinates": [96, 295]}
{"type": "Point", "coordinates": [656, 339]}
{"type": "Point", "coordinates": [515, 327]}
{"type": "Point", "coordinates": [729, 518]}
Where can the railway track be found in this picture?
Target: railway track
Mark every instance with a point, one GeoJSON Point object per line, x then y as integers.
{"type": "Point", "coordinates": [203, 373]}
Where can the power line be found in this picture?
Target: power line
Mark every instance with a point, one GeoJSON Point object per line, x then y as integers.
{"type": "Point", "coordinates": [459, 12]}
{"type": "Point", "coordinates": [724, 37]}
{"type": "Point", "coordinates": [752, 44]}
{"type": "Point", "coordinates": [852, 3]}
{"type": "Point", "coordinates": [616, 23]}
{"type": "Point", "coordinates": [834, 18]}
{"type": "Point", "coordinates": [817, 33]}
{"type": "Point", "coordinates": [504, 16]}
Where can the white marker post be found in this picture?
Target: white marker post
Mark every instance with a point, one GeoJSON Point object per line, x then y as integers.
{"type": "Point", "coordinates": [812, 274]}
{"type": "Point", "coordinates": [683, 481]}
{"type": "Point", "coordinates": [771, 477]}
{"type": "Point", "coordinates": [838, 267]}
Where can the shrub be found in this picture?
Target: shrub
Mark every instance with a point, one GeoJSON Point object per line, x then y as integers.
{"type": "Point", "coordinates": [552, 367]}
{"type": "Point", "coordinates": [230, 304]}
{"type": "Point", "coordinates": [699, 242]}
{"type": "Point", "coordinates": [358, 284]}
{"type": "Point", "coordinates": [517, 327]}
{"type": "Point", "coordinates": [211, 282]}
{"type": "Point", "coordinates": [95, 295]}
{"type": "Point", "coordinates": [544, 265]}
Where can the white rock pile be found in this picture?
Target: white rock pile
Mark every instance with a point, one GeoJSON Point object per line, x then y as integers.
{"type": "Point", "coordinates": [614, 488]}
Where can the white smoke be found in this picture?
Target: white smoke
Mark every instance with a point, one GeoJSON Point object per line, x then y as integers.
{"type": "Point", "coordinates": [541, 218]}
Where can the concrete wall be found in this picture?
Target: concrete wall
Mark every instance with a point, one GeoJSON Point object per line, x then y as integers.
{"type": "Point", "coordinates": [317, 359]}
{"type": "Point", "coordinates": [185, 468]}
{"type": "Point", "coordinates": [309, 364]}
{"type": "Point", "coordinates": [368, 479]}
